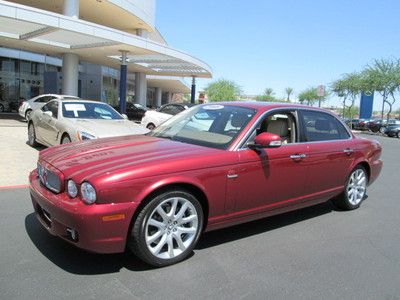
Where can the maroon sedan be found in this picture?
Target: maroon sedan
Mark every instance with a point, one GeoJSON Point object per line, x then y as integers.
{"type": "Point", "coordinates": [212, 166]}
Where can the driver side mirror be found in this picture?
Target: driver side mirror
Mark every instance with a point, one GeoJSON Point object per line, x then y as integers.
{"type": "Point", "coordinates": [266, 140]}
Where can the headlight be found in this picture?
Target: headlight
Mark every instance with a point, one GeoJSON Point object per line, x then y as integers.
{"type": "Point", "coordinates": [88, 193]}
{"type": "Point", "coordinates": [72, 189]}
{"type": "Point", "coordinates": [85, 136]}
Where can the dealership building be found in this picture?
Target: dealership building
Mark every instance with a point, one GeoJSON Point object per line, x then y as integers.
{"type": "Point", "coordinates": [107, 50]}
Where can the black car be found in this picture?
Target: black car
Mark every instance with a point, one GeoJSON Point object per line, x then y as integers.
{"type": "Point", "coordinates": [134, 111]}
{"type": "Point", "coordinates": [393, 130]}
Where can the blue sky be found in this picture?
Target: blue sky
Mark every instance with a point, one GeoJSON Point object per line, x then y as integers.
{"type": "Point", "coordinates": [278, 44]}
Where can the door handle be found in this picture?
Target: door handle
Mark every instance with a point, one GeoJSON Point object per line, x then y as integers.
{"type": "Point", "coordinates": [298, 156]}
{"type": "Point", "coordinates": [348, 151]}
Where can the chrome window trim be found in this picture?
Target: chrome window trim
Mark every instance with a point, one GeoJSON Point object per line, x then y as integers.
{"type": "Point", "coordinates": [241, 145]}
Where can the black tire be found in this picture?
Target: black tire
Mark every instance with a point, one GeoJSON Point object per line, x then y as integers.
{"type": "Point", "coordinates": [1, 108]}
{"type": "Point", "coordinates": [343, 201]}
{"type": "Point", "coordinates": [140, 227]}
{"type": "Point", "coordinates": [150, 126]}
{"type": "Point", "coordinates": [398, 134]}
{"type": "Point", "coordinates": [65, 139]}
{"type": "Point", "coordinates": [32, 135]}
{"type": "Point", "coordinates": [28, 115]}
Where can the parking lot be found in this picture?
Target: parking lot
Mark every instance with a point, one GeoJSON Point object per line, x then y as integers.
{"type": "Point", "coordinates": [317, 252]}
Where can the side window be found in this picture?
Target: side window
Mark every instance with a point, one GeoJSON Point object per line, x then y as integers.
{"type": "Point", "coordinates": [319, 126]}
{"type": "Point", "coordinates": [282, 123]}
{"type": "Point", "coordinates": [170, 109]}
{"type": "Point", "coordinates": [53, 107]}
{"type": "Point", "coordinates": [44, 99]}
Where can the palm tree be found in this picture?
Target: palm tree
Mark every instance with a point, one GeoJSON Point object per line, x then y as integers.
{"type": "Point", "coordinates": [288, 92]}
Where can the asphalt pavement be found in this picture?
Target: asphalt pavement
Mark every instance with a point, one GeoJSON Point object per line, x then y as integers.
{"type": "Point", "coordinates": [314, 253]}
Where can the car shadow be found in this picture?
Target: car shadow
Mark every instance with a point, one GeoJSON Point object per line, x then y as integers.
{"type": "Point", "coordinates": [221, 236]}
{"type": "Point", "coordinates": [77, 261]}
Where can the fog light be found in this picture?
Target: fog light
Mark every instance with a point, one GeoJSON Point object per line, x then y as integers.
{"type": "Point", "coordinates": [72, 189]}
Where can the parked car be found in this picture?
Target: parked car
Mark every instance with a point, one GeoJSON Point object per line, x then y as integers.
{"type": "Point", "coordinates": [393, 130]}
{"type": "Point", "coordinates": [63, 121]}
{"type": "Point", "coordinates": [134, 111]}
{"type": "Point", "coordinates": [4, 106]}
{"type": "Point", "coordinates": [387, 123]}
{"type": "Point", "coordinates": [153, 118]}
{"type": "Point", "coordinates": [156, 193]}
{"type": "Point", "coordinates": [27, 107]}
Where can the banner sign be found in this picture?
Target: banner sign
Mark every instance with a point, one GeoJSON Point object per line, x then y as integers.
{"type": "Point", "coordinates": [366, 105]}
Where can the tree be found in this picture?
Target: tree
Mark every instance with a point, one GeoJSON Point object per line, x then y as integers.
{"type": "Point", "coordinates": [288, 92]}
{"type": "Point", "coordinates": [348, 87]}
{"type": "Point", "coordinates": [383, 76]}
{"type": "Point", "coordinates": [223, 90]}
{"type": "Point", "coordinates": [268, 96]}
{"type": "Point", "coordinates": [309, 95]}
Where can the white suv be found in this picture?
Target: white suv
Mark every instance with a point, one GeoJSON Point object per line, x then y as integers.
{"type": "Point", "coordinates": [37, 102]}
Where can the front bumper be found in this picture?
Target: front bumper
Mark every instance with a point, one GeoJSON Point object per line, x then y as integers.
{"type": "Point", "coordinates": [100, 228]}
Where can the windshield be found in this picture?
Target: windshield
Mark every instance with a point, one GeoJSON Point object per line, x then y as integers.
{"type": "Point", "coordinates": [210, 125]}
{"type": "Point", "coordinates": [89, 110]}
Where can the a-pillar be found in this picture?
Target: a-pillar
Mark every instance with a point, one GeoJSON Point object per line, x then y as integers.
{"type": "Point", "coordinates": [122, 83]}
{"type": "Point", "coordinates": [193, 92]}
{"type": "Point", "coordinates": [158, 96]}
{"type": "Point", "coordinates": [140, 88]}
{"type": "Point", "coordinates": [70, 73]}
{"type": "Point", "coordinates": [70, 63]}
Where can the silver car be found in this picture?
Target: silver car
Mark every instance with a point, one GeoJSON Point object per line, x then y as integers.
{"type": "Point", "coordinates": [63, 121]}
{"type": "Point", "coordinates": [27, 107]}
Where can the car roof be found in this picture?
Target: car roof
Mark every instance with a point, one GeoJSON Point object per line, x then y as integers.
{"type": "Point", "coordinates": [264, 106]}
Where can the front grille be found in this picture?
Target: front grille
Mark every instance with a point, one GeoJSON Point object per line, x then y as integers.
{"type": "Point", "coordinates": [49, 179]}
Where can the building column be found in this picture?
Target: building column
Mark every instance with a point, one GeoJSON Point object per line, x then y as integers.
{"type": "Point", "coordinates": [158, 96]}
{"type": "Point", "coordinates": [70, 73]}
{"type": "Point", "coordinates": [71, 8]}
{"type": "Point", "coordinates": [140, 88]}
{"type": "Point", "coordinates": [122, 83]}
{"type": "Point", "coordinates": [193, 92]}
{"type": "Point", "coordinates": [169, 99]}
{"type": "Point", "coordinates": [70, 62]}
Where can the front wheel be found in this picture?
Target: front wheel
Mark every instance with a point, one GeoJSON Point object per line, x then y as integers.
{"type": "Point", "coordinates": [355, 190]}
{"type": "Point", "coordinates": [398, 134]}
{"type": "Point", "coordinates": [382, 130]}
{"type": "Point", "coordinates": [32, 135]}
{"type": "Point", "coordinates": [167, 228]}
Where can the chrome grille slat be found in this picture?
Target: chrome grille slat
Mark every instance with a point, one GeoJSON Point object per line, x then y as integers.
{"type": "Point", "coordinates": [49, 179]}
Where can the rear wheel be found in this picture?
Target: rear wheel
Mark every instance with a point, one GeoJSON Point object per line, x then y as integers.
{"type": "Point", "coordinates": [398, 134]}
{"type": "Point", "coordinates": [65, 139]}
{"type": "Point", "coordinates": [32, 135]}
{"type": "Point", "coordinates": [355, 190]}
{"type": "Point", "coordinates": [1, 108]}
{"type": "Point", "coordinates": [382, 130]}
{"type": "Point", "coordinates": [167, 228]}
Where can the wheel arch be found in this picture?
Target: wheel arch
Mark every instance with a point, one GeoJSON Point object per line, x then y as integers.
{"type": "Point", "coordinates": [195, 189]}
{"type": "Point", "coordinates": [63, 135]}
{"type": "Point", "coordinates": [365, 165]}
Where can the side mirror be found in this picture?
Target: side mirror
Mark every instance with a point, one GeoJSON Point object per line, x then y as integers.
{"type": "Point", "coordinates": [49, 113]}
{"type": "Point", "coordinates": [266, 140]}
{"type": "Point", "coordinates": [125, 116]}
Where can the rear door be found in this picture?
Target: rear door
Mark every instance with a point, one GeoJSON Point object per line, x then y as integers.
{"type": "Point", "coordinates": [330, 152]}
{"type": "Point", "coordinates": [49, 132]}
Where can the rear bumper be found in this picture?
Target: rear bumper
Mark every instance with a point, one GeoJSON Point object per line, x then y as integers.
{"type": "Point", "coordinates": [59, 215]}
{"type": "Point", "coordinates": [376, 168]}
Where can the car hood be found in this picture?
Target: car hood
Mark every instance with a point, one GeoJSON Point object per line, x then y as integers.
{"type": "Point", "coordinates": [129, 157]}
{"type": "Point", "coordinates": [106, 128]}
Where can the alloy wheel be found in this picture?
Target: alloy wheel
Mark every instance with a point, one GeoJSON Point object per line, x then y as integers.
{"type": "Point", "coordinates": [356, 186]}
{"type": "Point", "coordinates": [171, 228]}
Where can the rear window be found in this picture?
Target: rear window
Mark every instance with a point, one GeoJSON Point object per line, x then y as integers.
{"type": "Point", "coordinates": [319, 126]}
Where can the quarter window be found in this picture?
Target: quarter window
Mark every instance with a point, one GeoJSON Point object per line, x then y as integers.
{"type": "Point", "coordinates": [319, 126]}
